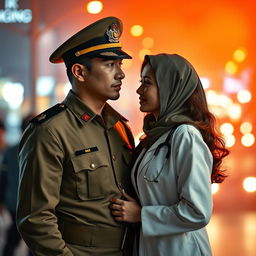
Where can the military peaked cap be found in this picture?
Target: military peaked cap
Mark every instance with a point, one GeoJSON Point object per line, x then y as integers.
{"type": "Point", "coordinates": [99, 39]}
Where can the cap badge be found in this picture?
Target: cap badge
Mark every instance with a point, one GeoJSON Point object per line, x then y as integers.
{"type": "Point", "coordinates": [113, 33]}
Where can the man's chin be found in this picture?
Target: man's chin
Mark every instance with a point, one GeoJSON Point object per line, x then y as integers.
{"type": "Point", "coordinates": [114, 97]}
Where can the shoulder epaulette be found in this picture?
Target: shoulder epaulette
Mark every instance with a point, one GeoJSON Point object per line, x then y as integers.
{"type": "Point", "coordinates": [46, 115]}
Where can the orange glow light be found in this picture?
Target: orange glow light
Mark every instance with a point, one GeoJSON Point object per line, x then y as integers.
{"type": "Point", "coordinates": [227, 128]}
{"type": "Point", "coordinates": [215, 188]}
{"type": "Point", "coordinates": [233, 85]}
{"type": "Point", "coordinates": [230, 140]}
{"type": "Point", "coordinates": [248, 140]}
{"type": "Point", "coordinates": [235, 111]}
{"type": "Point", "coordinates": [249, 184]}
{"type": "Point", "coordinates": [205, 82]}
{"type": "Point", "coordinates": [148, 42]}
{"type": "Point", "coordinates": [94, 7]}
{"type": "Point", "coordinates": [127, 63]}
{"type": "Point", "coordinates": [244, 96]}
{"type": "Point", "coordinates": [246, 127]}
{"type": "Point", "coordinates": [239, 55]}
{"type": "Point", "coordinates": [144, 52]}
{"type": "Point", "coordinates": [231, 67]}
{"type": "Point", "coordinates": [137, 30]}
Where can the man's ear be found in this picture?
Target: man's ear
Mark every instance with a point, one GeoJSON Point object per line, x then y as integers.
{"type": "Point", "coordinates": [79, 71]}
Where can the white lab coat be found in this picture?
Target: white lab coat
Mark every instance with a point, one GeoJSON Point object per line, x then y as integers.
{"type": "Point", "coordinates": [175, 209]}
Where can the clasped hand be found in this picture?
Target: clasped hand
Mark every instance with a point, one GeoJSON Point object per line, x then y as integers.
{"type": "Point", "coordinates": [125, 210]}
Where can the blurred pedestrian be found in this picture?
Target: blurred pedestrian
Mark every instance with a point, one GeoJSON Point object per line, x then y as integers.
{"type": "Point", "coordinates": [8, 192]}
{"type": "Point", "coordinates": [2, 139]}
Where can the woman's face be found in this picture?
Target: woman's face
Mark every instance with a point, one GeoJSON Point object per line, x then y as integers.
{"type": "Point", "coordinates": [148, 91]}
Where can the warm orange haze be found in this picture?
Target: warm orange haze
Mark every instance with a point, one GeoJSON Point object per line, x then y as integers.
{"type": "Point", "coordinates": [218, 37]}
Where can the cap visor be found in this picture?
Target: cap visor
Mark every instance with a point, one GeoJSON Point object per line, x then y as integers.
{"type": "Point", "coordinates": [113, 54]}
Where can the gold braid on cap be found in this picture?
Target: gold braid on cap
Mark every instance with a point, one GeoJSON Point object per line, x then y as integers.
{"type": "Point", "coordinates": [97, 47]}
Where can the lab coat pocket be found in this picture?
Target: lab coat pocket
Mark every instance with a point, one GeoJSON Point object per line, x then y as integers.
{"type": "Point", "coordinates": [92, 177]}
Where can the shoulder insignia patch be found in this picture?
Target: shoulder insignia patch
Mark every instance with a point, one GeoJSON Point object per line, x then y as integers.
{"type": "Point", "coordinates": [47, 114]}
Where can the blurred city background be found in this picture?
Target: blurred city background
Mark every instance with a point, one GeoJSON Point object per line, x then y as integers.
{"type": "Point", "coordinates": [217, 37]}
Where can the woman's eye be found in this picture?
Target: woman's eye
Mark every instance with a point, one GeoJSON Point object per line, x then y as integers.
{"type": "Point", "coordinates": [145, 82]}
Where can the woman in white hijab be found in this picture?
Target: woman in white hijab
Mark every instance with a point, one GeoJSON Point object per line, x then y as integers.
{"type": "Point", "coordinates": [177, 161]}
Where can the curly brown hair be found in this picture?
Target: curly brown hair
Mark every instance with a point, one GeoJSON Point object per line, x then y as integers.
{"type": "Point", "coordinates": [196, 108]}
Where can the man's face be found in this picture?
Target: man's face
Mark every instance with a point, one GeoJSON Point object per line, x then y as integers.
{"type": "Point", "coordinates": [104, 80]}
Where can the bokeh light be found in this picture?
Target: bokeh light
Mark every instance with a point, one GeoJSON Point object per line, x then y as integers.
{"type": "Point", "coordinates": [235, 111]}
{"type": "Point", "coordinates": [239, 55]}
{"type": "Point", "coordinates": [137, 30]}
{"type": "Point", "coordinates": [246, 127]}
{"type": "Point", "coordinates": [13, 94]}
{"type": "Point", "coordinates": [230, 140]}
{"type": "Point", "coordinates": [45, 85]}
{"type": "Point", "coordinates": [215, 188]}
{"type": "Point", "coordinates": [94, 7]}
{"type": "Point", "coordinates": [227, 128]}
{"type": "Point", "coordinates": [249, 184]}
{"type": "Point", "coordinates": [248, 140]}
{"type": "Point", "coordinates": [232, 85]}
{"type": "Point", "coordinates": [231, 67]}
{"type": "Point", "coordinates": [148, 42]}
{"type": "Point", "coordinates": [244, 96]}
{"type": "Point", "coordinates": [205, 82]}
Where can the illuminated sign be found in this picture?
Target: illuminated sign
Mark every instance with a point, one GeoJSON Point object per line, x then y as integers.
{"type": "Point", "coordinates": [11, 13]}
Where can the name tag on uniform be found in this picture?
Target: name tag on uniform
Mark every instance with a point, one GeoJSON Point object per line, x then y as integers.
{"type": "Point", "coordinates": [85, 151]}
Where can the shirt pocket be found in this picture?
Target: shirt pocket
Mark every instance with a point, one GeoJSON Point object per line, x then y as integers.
{"type": "Point", "coordinates": [92, 175]}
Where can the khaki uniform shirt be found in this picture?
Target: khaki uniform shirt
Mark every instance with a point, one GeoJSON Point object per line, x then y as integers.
{"type": "Point", "coordinates": [71, 165]}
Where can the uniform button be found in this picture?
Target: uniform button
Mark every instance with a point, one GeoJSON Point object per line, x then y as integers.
{"type": "Point", "coordinates": [114, 157]}
{"type": "Point", "coordinates": [92, 165]}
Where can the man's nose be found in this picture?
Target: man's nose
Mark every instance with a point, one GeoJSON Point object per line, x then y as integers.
{"type": "Point", "coordinates": [120, 74]}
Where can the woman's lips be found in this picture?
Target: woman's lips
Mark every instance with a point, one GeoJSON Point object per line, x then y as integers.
{"type": "Point", "coordinates": [141, 100]}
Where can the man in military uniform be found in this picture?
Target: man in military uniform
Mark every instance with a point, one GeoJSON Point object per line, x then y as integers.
{"type": "Point", "coordinates": [75, 156]}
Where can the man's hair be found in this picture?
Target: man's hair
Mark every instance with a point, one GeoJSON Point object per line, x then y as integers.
{"type": "Point", "coordinates": [87, 62]}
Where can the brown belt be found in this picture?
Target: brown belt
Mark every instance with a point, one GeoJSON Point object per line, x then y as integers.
{"type": "Point", "coordinates": [83, 235]}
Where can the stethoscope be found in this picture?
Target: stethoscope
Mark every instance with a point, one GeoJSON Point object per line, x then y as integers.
{"type": "Point", "coordinates": [167, 144]}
